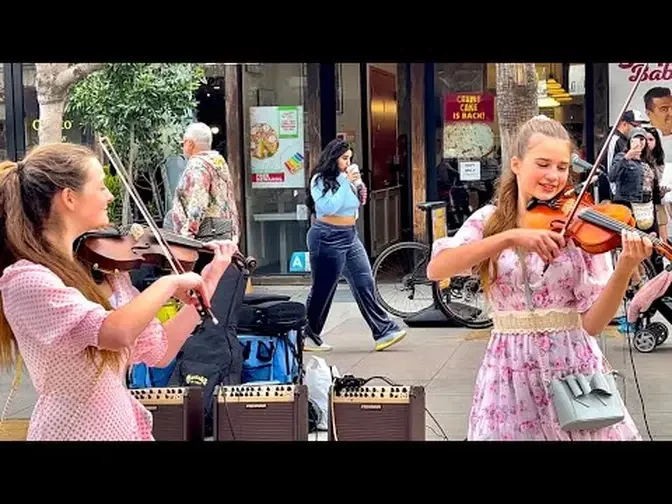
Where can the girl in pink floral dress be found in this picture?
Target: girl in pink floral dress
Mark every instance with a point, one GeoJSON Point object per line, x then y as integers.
{"type": "Point", "coordinates": [574, 299]}
{"type": "Point", "coordinates": [77, 337]}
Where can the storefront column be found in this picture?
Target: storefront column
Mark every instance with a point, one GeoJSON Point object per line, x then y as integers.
{"type": "Point", "coordinates": [418, 147]}
{"type": "Point", "coordinates": [234, 140]}
{"type": "Point", "coordinates": [313, 117]}
{"type": "Point", "coordinates": [16, 143]}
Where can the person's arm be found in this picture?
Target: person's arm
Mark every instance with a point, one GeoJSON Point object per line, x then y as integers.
{"type": "Point", "coordinates": [231, 202]}
{"type": "Point", "coordinates": [38, 304]}
{"type": "Point", "coordinates": [600, 289]}
{"type": "Point", "coordinates": [619, 164]}
{"type": "Point", "coordinates": [449, 261]}
{"type": "Point", "coordinates": [123, 326]}
{"type": "Point", "coordinates": [191, 199]}
{"type": "Point", "coordinates": [330, 202]}
{"type": "Point", "coordinates": [160, 343]}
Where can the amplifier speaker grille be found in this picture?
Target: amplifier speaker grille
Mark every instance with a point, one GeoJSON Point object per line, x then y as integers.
{"type": "Point", "coordinates": [377, 414]}
{"type": "Point", "coordinates": [177, 412]}
{"type": "Point", "coordinates": [261, 413]}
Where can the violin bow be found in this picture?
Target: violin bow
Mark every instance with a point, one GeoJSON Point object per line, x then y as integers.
{"type": "Point", "coordinates": [175, 265]}
{"type": "Point", "coordinates": [603, 151]}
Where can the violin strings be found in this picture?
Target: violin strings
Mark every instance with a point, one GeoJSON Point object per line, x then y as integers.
{"type": "Point", "coordinates": [614, 225]}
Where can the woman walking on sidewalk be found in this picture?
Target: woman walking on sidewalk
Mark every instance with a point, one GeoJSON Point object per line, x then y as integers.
{"type": "Point", "coordinates": [545, 323]}
{"type": "Point", "coordinates": [335, 195]}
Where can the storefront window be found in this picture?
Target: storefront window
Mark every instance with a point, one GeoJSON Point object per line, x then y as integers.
{"type": "Point", "coordinates": [71, 130]}
{"type": "Point", "coordinates": [468, 145]}
{"type": "Point", "coordinates": [3, 115]}
{"type": "Point", "coordinates": [467, 137]}
{"type": "Point", "coordinates": [275, 160]}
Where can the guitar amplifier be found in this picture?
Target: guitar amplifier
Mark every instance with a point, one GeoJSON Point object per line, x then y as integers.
{"type": "Point", "coordinates": [261, 413]}
{"type": "Point", "coordinates": [377, 413]}
{"type": "Point", "coordinates": [177, 412]}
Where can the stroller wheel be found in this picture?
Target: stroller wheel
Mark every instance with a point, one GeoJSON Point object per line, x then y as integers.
{"type": "Point", "coordinates": [644, 340]}
{"type": "Point", "coordinates": [660, 330]}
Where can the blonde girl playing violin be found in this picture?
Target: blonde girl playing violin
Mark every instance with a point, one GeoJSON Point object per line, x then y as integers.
{"type": "Point", "coordinates": [574, 299]}
{"type": "Point", "coordinates": [76, 337]}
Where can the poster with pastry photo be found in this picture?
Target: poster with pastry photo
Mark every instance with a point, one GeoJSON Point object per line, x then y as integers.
{"type": "Point", "coordinates": [277, 157]}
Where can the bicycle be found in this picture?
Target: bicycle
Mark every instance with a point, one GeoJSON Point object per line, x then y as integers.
{"type": "Point", "coordinates": [449, 296]}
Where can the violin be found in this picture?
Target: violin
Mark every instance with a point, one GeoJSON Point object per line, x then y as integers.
{"type": "Point", "coordinates": [128, 248]}
{"type": "Point", "coordinates": [597, 228]}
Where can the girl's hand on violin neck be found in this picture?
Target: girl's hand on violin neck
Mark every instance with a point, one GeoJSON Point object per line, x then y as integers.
{"type": "Point", "coordinates": [224, 251]}
{"type": "Point", "coordinates": [636, 248]}
{"type": "Point", "coordinates": [547, 244]}
{"type": "Point", "coordinates": [188, 283]}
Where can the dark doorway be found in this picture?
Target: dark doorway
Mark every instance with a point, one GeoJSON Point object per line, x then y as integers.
{"type": "Point", "coordinates": [211, 110]}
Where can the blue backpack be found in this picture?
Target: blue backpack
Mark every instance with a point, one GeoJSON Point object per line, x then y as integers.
{"type": "Point", "coordinates": [143, 376]}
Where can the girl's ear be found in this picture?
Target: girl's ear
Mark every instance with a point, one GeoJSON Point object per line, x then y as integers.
{"type": "Point", "coordinates": [515, 165]}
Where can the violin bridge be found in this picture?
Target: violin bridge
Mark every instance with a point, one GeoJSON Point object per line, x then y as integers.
{"type": "Point", "coordinates": [136, 231]}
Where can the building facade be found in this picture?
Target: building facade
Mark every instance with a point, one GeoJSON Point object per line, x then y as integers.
{"type": "Point", "coordinates": [420, 131]}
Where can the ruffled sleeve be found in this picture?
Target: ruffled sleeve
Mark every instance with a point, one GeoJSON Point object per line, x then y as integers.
{"type": "Point", "coordinates": [592, 272]}
{"type": "Point", "coordinates": [152, 343]}
{"type": "Point", "coordinates": [470, 231]}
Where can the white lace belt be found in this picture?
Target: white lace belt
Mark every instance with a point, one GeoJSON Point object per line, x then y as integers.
{"type": "Point", "coordinates": [534, 321]}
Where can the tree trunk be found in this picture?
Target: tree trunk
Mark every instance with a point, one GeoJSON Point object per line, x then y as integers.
{"type": "Point", "coordinates": [52, 82]}
{"type": "Point", "coordinates": [516, 100]}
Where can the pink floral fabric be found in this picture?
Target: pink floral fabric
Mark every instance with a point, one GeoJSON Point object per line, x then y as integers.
{"type": "Point", "coordinates": [511, 399]}
{"type": "Point", "coordinates": [53, 325]}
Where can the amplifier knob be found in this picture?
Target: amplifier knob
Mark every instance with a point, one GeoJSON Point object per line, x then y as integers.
{"type": "Point", "coordinates": [404, 390]}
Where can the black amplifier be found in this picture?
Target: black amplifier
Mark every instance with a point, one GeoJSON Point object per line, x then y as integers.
{"type": "Point", "coordinates": [377, 413]}
{"type": "Point", "coordinates": [261, 413]}
{"type": "Point", "coordinates": [177, 412]}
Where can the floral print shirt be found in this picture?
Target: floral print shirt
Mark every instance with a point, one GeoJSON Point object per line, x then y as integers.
{"type": "Point", "coordinates": [205, 190]}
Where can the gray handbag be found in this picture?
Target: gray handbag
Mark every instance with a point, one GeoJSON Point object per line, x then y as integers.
{"type": "Point", "coordinates": [581, 402]}
{"type": "Point", "coordinates": [212, 228]}
{"type": "Point", "coordinates": [587, 402]}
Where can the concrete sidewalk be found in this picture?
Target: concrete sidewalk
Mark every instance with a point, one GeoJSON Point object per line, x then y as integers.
{"type": "Point", "coordinates": [445, 361]}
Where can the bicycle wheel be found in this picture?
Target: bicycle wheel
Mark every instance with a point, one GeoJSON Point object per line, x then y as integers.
{"type": "Point", "coordinates": [400, 279]}
{"type": "Point", "coordinates": [462, 299]}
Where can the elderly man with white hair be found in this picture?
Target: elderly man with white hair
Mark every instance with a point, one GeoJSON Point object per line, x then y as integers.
{"type": "Point", "coordinates": [204, 206]}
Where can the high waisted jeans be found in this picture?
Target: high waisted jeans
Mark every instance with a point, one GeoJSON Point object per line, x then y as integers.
{"type": "Point", "coordinates": [336, 250]}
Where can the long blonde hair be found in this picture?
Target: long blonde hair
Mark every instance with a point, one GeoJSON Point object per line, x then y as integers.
{"type": "Point", "coordinates": [505, 216]}
{"type": "Point", "coordinates": [26, 193]}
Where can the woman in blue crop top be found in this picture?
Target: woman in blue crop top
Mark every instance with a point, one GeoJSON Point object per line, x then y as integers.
{"type": "Point", "coordinates": [334, 197]}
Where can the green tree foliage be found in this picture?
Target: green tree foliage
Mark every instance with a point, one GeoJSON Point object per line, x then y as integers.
{"type": "Point", "coordinates": [143, 109]}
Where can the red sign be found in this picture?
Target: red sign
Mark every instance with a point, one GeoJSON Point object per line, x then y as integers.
{"type": "Point", "coordinates": [268, 177]}
{"type": "Point", "coordinates": [469, 107]}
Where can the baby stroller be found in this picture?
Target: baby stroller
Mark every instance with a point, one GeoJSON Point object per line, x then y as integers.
{"type": "Point", "coordinates": [654, 296]}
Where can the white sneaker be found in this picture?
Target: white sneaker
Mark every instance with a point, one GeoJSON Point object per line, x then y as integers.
{"type": "Point", "coordinates": [310, 346]}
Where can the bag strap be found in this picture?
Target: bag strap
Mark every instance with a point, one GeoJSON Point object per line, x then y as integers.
{"type": "Point", "coordinates": [530, 304]}
{"type": "Point", "coordinates": [528, 289]}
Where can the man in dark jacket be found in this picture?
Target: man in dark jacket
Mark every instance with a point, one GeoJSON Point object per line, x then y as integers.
{"type": "Point", "coordinates": [619, 143]}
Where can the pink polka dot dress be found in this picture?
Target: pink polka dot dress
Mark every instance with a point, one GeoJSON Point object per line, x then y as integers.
{"type": "Point", "coordinates": [53, 325]}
